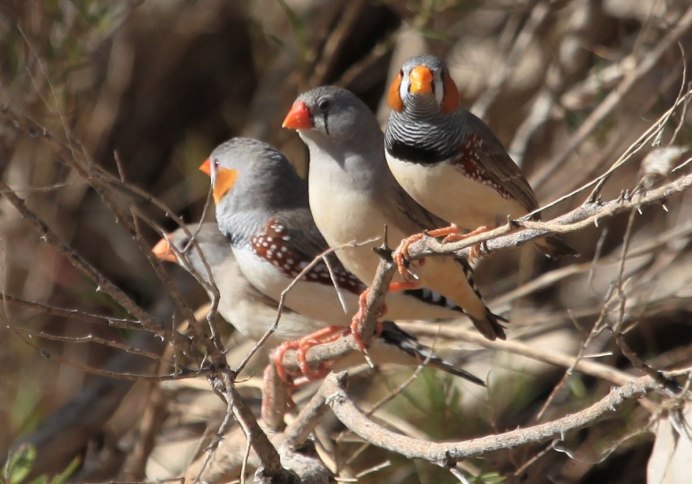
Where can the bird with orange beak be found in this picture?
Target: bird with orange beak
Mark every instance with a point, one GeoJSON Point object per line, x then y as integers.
{"type": "Point", "coordinates": [253, 313]}
{"type": "Point", "coordinates": [262, 210]}
{"type": "Point", "coordinates": [449, 160]}
{"type": "Point", "coordinates": [353, 196]}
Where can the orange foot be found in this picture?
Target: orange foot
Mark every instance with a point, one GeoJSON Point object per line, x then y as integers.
{"type": "Point", "coordinates": [359, 317]}
{"type": "Point", "coordinates": [302, 345]}
{"type": "Point", "coordinates": [450, 234]}
{"type": "Point", "coordinates": [401, 255]}
{"type": "Point", "coordinates": [455, 236]}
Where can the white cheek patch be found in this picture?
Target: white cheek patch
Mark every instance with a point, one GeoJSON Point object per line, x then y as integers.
{"type": "Point", "coordinates": [404, 86]}
{"type": "Point", "coordinates": [439, 88]}
{"type": "Point", "coordinates": [213, 169]}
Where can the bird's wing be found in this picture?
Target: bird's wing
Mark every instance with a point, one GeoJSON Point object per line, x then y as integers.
{"type": "Point", "coordinates": [306, 243]}
{"type": "Point", "coordinates": [493, 160]}
{"type": "Point", "coordinates": [421, 219]}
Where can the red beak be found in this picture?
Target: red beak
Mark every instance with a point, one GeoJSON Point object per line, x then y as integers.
{"type": "Point", "coordinates": [298, 117]}
{"type": "Point", "coordinates": [163, 252]}
{"type": "Point", "coordinates": [206, 167]}
{"type": "Point", "coordinates": [421, 80]}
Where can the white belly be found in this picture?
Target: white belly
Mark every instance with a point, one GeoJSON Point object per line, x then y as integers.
{"type": "Point", "coordinates": [314, 300]}
{"type": "Point", "coordinates": [253, 320]}
{"type": "Point", "coordinates": [340, 225]}
{"type": "Point", "coordinates": [445, 191]}
{"type": "Point", "coordinates": [344, 214]}
{"type": "Point", "coordinates": [252, 313]}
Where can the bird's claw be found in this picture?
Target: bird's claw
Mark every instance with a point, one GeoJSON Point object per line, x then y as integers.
{"type": "Point", "coordinates": [301, 346]}
{"type": "Point", "coordinates": [357, 321]}
{"type": "Point", "coordinates": [401, 257]}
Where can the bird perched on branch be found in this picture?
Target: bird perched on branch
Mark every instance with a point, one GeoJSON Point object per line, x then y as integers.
{"type": "Point", "coordinates": [262, 209]}
{"type": "Point", "coordinates": [240, 303]}
{"type": "Point", "coordinates": [253, 313]}
{"type": "Point", "coordinates": [449, 160]}
{"type": "Point", "coordinates": [353, 195]}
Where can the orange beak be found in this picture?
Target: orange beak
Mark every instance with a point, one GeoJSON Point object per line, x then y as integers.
{"type": "Point", "coordinates": [163, 252]}
{"type": "Point", "coordinates": [223, 182]}
{"type": "Point", "coordinates": [298, 117]}
{"type": "Point", "coordinates": [421, 80]}
{"type": "Point", "coordinates": [206, 167]}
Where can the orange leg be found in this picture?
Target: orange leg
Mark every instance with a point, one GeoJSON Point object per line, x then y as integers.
{"type": "Point", "coordinates": [450, 234]}
{"type": "Point", "coordinates": [357, 319]}
{"type": "Point", "coordinates": [456, 236]}
{"type": "Point", "coordinates": [476, 251]}
{"type": "Point", "coordinates": [362, 310]}
{"type": "Point", "coordinates": [445, 231]}
{"type": "Point", "coordinates": [401, 255]}
{"type": "Point", "coordinates": [403, 286]}
{"type": "Point", "coordinates": [323, 336]}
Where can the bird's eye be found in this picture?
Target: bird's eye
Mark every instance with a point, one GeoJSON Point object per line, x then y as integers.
{"type": "Point", "coordinates": [324, 105]}
{"type": "Point", "coordinates": [216, 162]}
{"type": "Point", "coordinates": [183, 245]}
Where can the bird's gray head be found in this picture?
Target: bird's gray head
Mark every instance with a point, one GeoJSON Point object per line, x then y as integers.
{"type": "Point", "coordinates": [247, 174]}
{"type": "Point", "coordinates": [208, 238]}
{"type": "Point", "coordinates": [423, 86]}
{"type": "Point", "coordinates": [185, 247]}
{"type": "Point", "coordinates": [334, 113]}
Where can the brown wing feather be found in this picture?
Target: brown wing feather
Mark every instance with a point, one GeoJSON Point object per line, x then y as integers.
{"type": "Point", "coordinates": [496, 164]}
{"type": "Point", "coordinates": [291, 249]}
{"type": "Point", "coordinates": [421, 218]}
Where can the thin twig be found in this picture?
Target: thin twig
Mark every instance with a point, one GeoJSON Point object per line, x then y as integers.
{"type": "Point", "coordinates": [75, 314]}
{"type": "Point", "coordinates": [592, 368]}
{"type": "Point", "coordinates": [643, 66]}
{"type": "Point", "coordinates": [103, 284]}
{"type": "Point", "coordinates": [90, 338]}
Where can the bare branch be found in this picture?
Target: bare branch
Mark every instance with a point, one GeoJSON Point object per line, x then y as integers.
{"type": "Point", "coordinates": [586, 366]}
{"type": "Point", "coordinates": [583, 216]}
{"type": "Point", "coordinates": [76, 314]}
{"type": "Point", "coordinates": [448, 453]}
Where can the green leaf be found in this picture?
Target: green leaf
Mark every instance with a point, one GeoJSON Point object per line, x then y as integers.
{"type": "Point", "coordinates": [19, 464]}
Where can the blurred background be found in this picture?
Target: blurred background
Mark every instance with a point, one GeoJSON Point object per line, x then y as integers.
{"type": "Point", "coordinates": [143, 90]}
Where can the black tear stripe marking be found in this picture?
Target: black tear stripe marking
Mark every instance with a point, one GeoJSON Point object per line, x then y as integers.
{"type": "Point", "coordinates": [274, 244]}
{"type": "Point", "coordinates": [326, 124]}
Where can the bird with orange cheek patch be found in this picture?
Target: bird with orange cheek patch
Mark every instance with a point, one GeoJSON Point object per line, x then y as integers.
{"type": "Point", "coordinates": [262, 210]}
{"type": "Point", "coordinates": [449, 160]}
{"type": "Point", "coordinates": [253, 313]}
